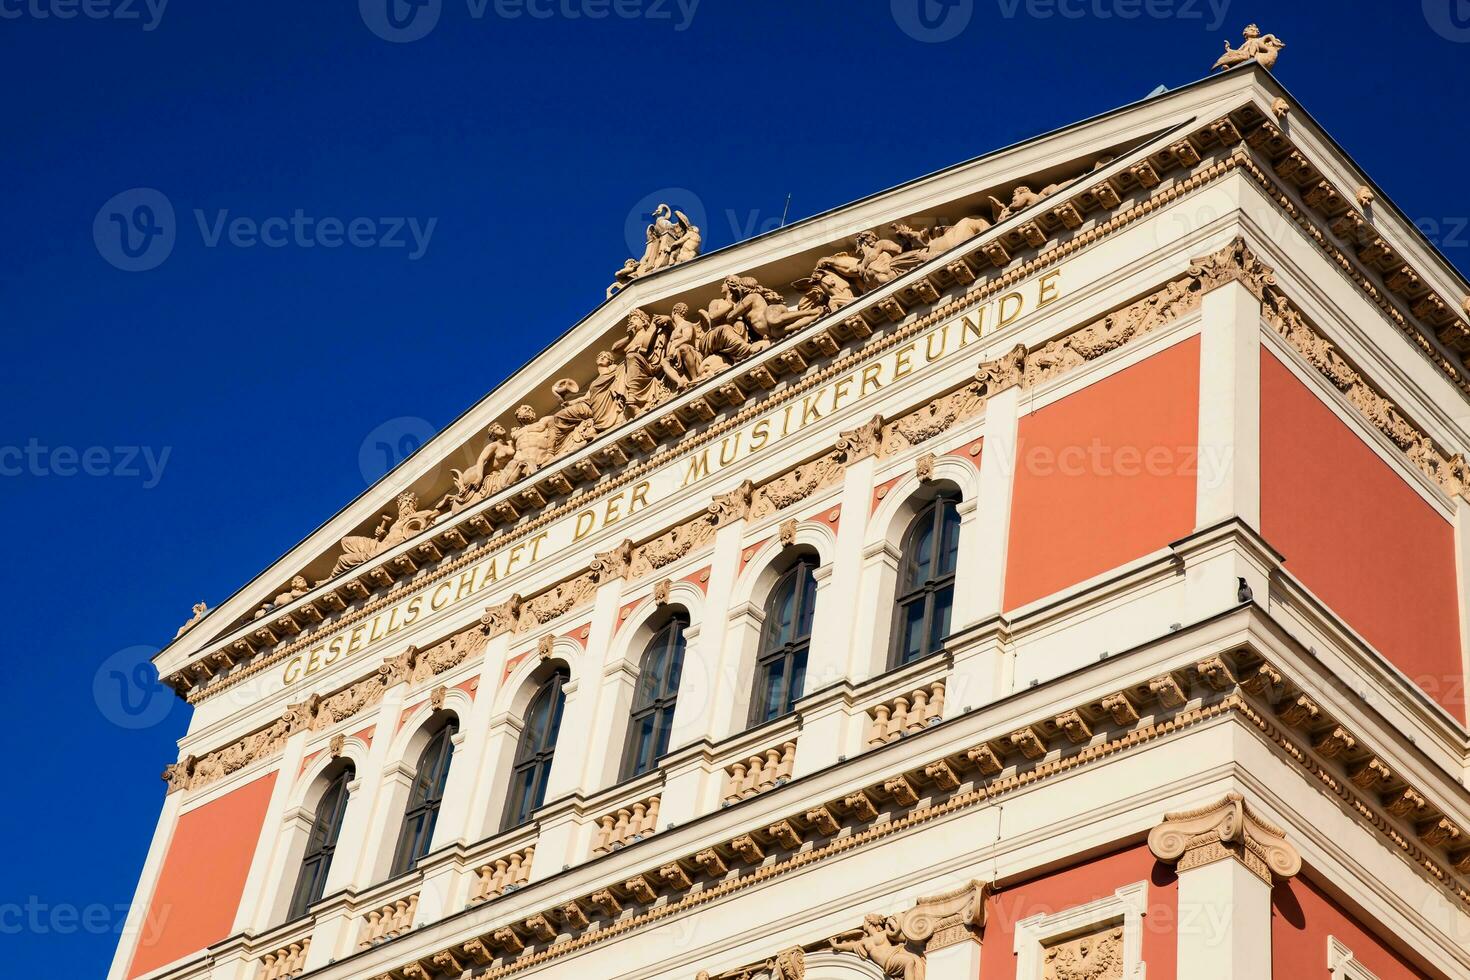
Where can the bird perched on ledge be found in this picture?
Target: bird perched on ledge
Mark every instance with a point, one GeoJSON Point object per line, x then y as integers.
{"type": "Point", "coordinates": [1262, 50]}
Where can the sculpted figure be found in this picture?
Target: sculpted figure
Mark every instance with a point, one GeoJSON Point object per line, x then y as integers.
{"type": "Point", "coordinates": [299, 587]}
{"type": "Point", "coordinates": [1022, 198]}
{"type": "Point", "coordinates": [534, 444]}
{"type": "Point", "coordinates": [878, 260]}
{"type": "Point", "coordinates": [623, 276]}
{"type": "Point", "coordinates": [940, 238]}
{"type": "Point", "coordinates": [199, 609]}
{"type": "Point", "coordinates": [683, 362]}
{"type": "Point", "coordinates": [832, 285]}
{"type": "Point", "coordinates": [671, 238]}
{"type": "Point", "coordinates": [390, 532]}
{"type": "Point", "coordinates": [881, 943]}
{"type": "Point", "coordinates": [486, 475]}
{"type": "Point", "coordinates": [1262, 50]}
{"type": "Point", "coordinates": [763, 311]}
{"type": "Point", "coordinates": [641, 351]}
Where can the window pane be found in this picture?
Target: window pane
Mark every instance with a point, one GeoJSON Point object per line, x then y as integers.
{"type": "Point", "coordinates": [939, 622]}
{"type": "Point", "coordinates": [772, 694]}
{"type": "Point", "coordinates": [798, 679]}
{"type": "Point", "coordinates": [664, 730]}
{"type": "Point", "coordinates": [808, 601]}
{"type": "Point", "coordinates": [911, 632]}
{"type": "Point", "coordinates": [950, 546]}
{"type": "Point", "coordinates": [920, 552]}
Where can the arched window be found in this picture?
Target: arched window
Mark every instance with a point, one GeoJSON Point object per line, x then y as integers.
{"type": "Point", "coordinates": [424, 799]}
{"type": "Point", "coordinates": [535, 751]}
{"type": "Point", "coordinates": [658, 690]}
{"type": "Point", "coordinates": [926, 587]}
{"type": "Point", "coordinates": [321, 845]}
{"type": "Point", "coordinates": [780, 668]}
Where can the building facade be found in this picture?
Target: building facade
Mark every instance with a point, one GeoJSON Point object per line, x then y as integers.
{"type": "Point", "coordinates": [1066, 576]}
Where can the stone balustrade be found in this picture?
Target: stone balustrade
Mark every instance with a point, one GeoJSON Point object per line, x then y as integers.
{"type": "Point", "coordinates": [388, 921]}
{"type": "Point", "coordinates": [625, 825]}
{"type": "Point", "coordinates": [502, 875]}
{"type": "Point", "coordinates": [760, 772]}
{"type": "Point", "coordinates": [287, 962]}
{"type": "Point", "coordinates": [905, 714]}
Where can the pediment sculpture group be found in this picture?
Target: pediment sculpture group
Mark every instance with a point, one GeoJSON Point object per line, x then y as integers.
{"type": "Point", "coordinates": [660, 355]}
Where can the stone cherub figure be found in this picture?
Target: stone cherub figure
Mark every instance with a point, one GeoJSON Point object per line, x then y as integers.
{"type": "Point", "coordinates": [298, 588]}
{"type": "Point", "coordinates": [1262, 49]}
{"type": "Point", "coordinates": [390, 532]}
{"type": "Point", "coordinates": [199, 609]}
{"type": "Point", "coordinates": [671, 239]}
{"type": "Point", "coordinates": [881, 943]}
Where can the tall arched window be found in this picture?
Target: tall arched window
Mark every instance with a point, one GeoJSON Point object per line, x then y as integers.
{"type": "Point", "coordinates": [535, 751]}
{"type": "Point", "coordinates": [424, 799]}
{"type": "Point", "coordinates": [321, 845]}
{"type": "Point", "coordinates": [780, 668]}
{"type": "Point", "coordinates": [658, 690]}
{"type": "Point", "coordinates": [926, 586]}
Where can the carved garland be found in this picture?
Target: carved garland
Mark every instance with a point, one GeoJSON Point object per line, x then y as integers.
{"type": "Point", "coordinates": [998, 767]}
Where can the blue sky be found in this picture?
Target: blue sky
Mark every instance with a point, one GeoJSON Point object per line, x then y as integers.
{"type": "Point", "coordinates": [169, 432]}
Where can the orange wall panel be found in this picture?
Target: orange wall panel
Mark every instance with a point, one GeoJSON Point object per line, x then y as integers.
{"type": "Point", "coordinates": [1303, 916]}
{"type": "Point", "coordinates": [1105, 475]}
{"type": "Point", "coordinates": [1356, 534]}
{"type": "Point", "coordinates": [1078, 885]}
{"type": "Point", "coordinates": [203, 876]}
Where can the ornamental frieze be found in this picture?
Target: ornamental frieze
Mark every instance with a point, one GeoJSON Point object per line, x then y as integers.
{"type": "Point", "coordinates": [1215, 688]}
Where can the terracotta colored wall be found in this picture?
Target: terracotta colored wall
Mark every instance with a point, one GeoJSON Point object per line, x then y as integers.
{"type": "Point", "coordinates": [1303, 916]}
{"type": "Point", "coordinates": [1356, 534]}
{"type": "Point", "coordinates": [1078, 885]}
{"type": "Point", "coordinates": [1105, 475]}
{"type": "Point", "coordinates": [203, 876]}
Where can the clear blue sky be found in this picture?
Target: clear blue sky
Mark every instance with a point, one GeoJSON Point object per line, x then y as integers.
{"type": "Point", "coordinates": [262, 372]}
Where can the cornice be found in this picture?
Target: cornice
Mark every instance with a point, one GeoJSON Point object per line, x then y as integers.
{"type": "Point", "coordinates": [1241, 686]}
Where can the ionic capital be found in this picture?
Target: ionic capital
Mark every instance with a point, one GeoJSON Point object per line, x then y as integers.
{"type": "Point", "coordinates": [1227, 829]}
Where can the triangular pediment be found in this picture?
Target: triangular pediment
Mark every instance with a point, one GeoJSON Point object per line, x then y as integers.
{"type": "Point", "coordinates": [805, 292]}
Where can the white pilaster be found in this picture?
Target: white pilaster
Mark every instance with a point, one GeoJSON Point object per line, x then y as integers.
{"type": "Point", "coordinates": [958, 961]}
{"type": "Point", "coordinates": [137, 925]}
{"type": "Point", "coordinates": [381, 777]}
{"type": "Point", "coordinates": [490, 766]}
{"type": "Point", "coordinates": [981, 577]}
{"type": "Point", "coordinates": [714, 654]}
{"type": "Point", "coordinates": [836, 632]}
{"type": "Point", "coordinates": [613, 688]}
{"type": "Point", "coordinates": [1229, 471]}
{"type": "Point", "coordinates": [1224, 923]}
{"type": "Point", "coordinates": [265, 873]}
